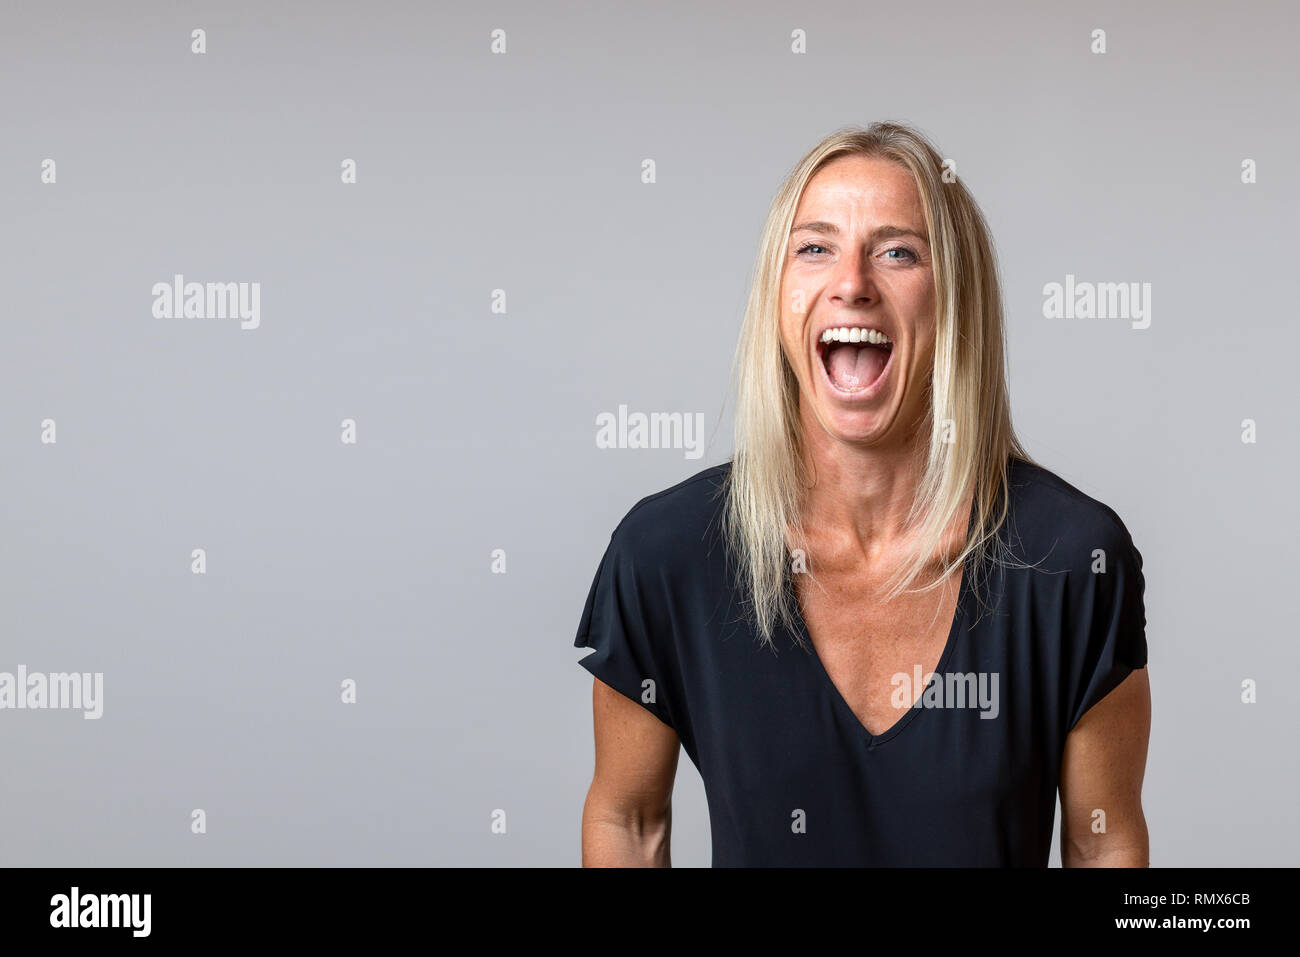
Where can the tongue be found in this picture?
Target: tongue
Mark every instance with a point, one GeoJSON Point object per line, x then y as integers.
{"type": "Point", "coordinates": [854, 367]}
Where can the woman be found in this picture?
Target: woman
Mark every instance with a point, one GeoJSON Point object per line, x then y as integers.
{"type": "Point", "coordinates": [882, 633]}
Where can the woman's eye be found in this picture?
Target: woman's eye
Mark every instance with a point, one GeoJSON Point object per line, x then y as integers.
{"type": "Point", "coordinates": [817, 249]}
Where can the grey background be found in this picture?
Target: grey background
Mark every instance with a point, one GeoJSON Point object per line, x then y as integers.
{"type": "Point", "coordinates": [521, 172]}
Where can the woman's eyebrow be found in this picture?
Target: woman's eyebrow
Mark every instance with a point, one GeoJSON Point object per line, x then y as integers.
{"type": "Point", "coordinates": [880, 232]}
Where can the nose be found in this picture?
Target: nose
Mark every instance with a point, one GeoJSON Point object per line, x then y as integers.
{"type": "Point", "coordinates": [853, 283]}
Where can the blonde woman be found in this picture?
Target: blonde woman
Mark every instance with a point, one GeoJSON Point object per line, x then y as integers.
{"type": "Point", "coordinates": [882, 633]}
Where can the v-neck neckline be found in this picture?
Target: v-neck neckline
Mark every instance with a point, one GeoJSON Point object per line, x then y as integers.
{"type": "Point", "coordinates": [959, 618]}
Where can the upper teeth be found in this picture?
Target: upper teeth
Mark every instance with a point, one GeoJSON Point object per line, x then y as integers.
{"type": "Point", "coordinates": [846, 334]}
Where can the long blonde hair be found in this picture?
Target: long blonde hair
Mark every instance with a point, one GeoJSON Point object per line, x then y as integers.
{"type": "Point", "coordinates": [971, 436]}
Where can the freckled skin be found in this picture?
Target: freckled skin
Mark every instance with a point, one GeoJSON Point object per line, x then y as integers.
{"type": "Point", "coordinates": [863, 641]}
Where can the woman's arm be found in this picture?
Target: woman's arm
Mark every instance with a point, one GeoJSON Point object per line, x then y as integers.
{"type": "Point", "coordinates": [627, 819]}
{"type": "Point", "coordinates": [1101, 770]}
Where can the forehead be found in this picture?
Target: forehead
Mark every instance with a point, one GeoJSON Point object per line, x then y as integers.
{"type": "Point", "coordinates": [858, 185]}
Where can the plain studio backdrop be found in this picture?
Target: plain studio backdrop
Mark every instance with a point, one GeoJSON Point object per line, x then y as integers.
{"type": "Point", "coordinates": [523, 172]}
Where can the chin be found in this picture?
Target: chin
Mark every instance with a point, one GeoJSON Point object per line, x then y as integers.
{"type": "Point", "coordinates": [854, 428]}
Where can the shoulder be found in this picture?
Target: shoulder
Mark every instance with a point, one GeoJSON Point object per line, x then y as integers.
{"type": "Point", "coordinates": [1052, 521]}
{"type": "Point", "coordinates": [674, 524]}
{"type": "Point", "coordinates": [1089, 606]}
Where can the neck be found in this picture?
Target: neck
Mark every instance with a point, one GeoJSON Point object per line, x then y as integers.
{"type": "Point", "coordinates": [860, 494]}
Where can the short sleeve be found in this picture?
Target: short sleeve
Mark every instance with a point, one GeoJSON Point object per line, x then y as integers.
{"type": "Point", "coordinates": [1112, 627]}
{"type": "Point", "coordinates": [624, 622]}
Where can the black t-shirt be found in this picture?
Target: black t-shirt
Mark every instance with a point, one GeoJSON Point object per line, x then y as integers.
{"type": "Point", "coordinates": [791, 775]}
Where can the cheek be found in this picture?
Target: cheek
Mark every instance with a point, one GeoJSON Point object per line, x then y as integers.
{"type": "Point", "coordinates": [789, 342]}
{"type": "Point", "coordinates": [797, 297]}
{"type": "Point", "coordinates": [791, 323]}
{"type": "Point", "coordinates": [793, 328]}
{"type": "Point", "coordinates": [923, 296]}
{"type": "Point", "coordinates": [795, 300]}
{"type": "Point", "coordinates": [915, 303]}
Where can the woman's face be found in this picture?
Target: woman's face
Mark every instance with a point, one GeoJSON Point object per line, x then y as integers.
{"type": "Point", "coordinates": [859, 259]}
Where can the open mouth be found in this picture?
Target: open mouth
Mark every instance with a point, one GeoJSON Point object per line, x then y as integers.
{"type": "Point", "coordinates": [854, 358]}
